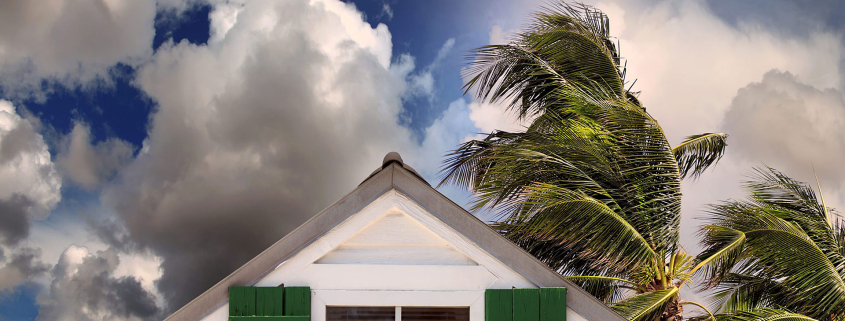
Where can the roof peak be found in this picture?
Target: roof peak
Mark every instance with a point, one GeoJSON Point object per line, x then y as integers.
{"type": "Point", "coordinates": [391, 158]}
{"type": "Point", "coordinates": [395, 158]}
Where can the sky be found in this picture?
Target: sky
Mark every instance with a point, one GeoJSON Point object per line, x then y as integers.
{"type": "Point", "coordinates": [150, 148]}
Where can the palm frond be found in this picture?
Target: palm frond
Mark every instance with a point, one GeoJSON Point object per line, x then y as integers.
{"type": "Point", "coordinates": [741, 292]}
{"type": "Point", "coordinates": [762, 314]}
{"type": "Point", "coordinates": [787, 240]}
{"type": "Point", "coordinates": [724, 249]}
{"type": "Point", "coordinates": [646, 306]}
{"type": "Point", "coordinates": [605, 288]}
{"type": "Point", "coordinates": [566, 45]}
{"type": "Point", "coordinates": [572, 217]}
{"type": "Point", "coordinates": [699, 152]}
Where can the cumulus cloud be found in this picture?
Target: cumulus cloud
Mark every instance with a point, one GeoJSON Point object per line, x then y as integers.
{"type": "Point", "coordinates": [23, 265]}
{"type": "Point", "coordinates": [25, 165]}
{"type": "Point", "coordinates": [89, 164]}
{"type": "Point", "coordinates": [72, 42]}
{"type": "Point", "coordinates": [789, 125]}
{"type": "Point", "coordinates": [689, 64]}
{"type": "Point", "coordinates": [84, 287]}
{"type": "Point", "coordinates": [289, 107]}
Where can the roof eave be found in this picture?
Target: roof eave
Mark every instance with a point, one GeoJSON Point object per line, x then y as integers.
{"type": "Point", "coordinates": [395, 176]}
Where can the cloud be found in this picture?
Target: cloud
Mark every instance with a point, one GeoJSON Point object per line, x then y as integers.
{"type": "Point", "coordinates": [84, 287]}
{"type": "Point", "coordinates": [88, 164]}
{"type": "Point", "coordinates": [386, 11]}
{"type": "Point", "coordinates": [422, 82]}
{"type": "Point", "coordinates": [23, 265]}
{"type": "Point", "coordinates": [789, 125]}
{"type": "Point", "coordinates": [14, 222]}
{"type": "Point", "coordinates": [25, 165]}
{"type": "Point", "coordinates": [689, 64]}
{"type": "Point", "coordinates": [71, 42]}
{"type": "Point", "coordinates": [288, 108]}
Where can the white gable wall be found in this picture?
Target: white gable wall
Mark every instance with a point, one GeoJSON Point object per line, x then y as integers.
{"type": "Point", "coordinates": [393, 253]}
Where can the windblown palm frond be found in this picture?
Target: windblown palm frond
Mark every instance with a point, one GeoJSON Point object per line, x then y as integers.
{"type": "Point", "coordinates": [790, 256]}
{"type": "Point", "coordinates": [602, 161]}
{"type": "Point", "coordinates": [698, 152]}
{"type": "Point", "coordinates": [592, 186]}
{"type": "Point", "coordinates": [646, 306]}
{"type": "Point", "coordinates": [565, 45]}
{"type": "Point", "coordinates": [762, 314]}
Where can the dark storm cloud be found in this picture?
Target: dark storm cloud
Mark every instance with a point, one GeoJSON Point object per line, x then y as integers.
{"type": "Point", "coordinates": [14, 222]}
{"type": "Point", "coordinates": [24, 264]}
{"type": "Point", "coordinates": [84, 288]}
{"type": "Point", "coordinates": [791, 17]}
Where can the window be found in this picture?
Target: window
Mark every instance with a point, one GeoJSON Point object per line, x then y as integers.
{"type": "Point", "coordinates": [450, 314]}
{"type": "Point", "coordinates": [360, 313]}
{"type": "Point", "coordinates": [393, 313]}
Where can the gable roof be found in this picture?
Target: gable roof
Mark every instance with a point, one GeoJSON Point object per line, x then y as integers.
{"type": "Point", "coordinates": [394, 174]}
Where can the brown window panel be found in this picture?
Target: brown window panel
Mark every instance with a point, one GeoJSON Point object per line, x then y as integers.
{"type": "Point", "coordinates": [435, 313]}
{"type": "Point", "coordinates": [360, 313]}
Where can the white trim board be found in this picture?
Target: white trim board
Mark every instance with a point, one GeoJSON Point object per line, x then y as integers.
{"type": "Point", "coordinates": [293, 272]}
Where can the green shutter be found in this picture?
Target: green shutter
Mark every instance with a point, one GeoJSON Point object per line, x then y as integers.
{"type": "Point", "coordinates": [298, 301]}
{"type": "Point", "coordinates": [526, 305]}
{"type": "Point", "coordinates": [553, 304]}
{"type": "Point", "coordinates": [498, 305]}
{"type": "Point", "coordinates": [546, 304]}
{"type": "Point", "coordinates": [269, 301]}
{"type": "Point", "coordinates": [241, 301]}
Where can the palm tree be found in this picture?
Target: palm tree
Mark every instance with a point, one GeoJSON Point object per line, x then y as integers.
{"type": "Point", "coordinates": [780, 249]}
{"type": "Point", "coordinates": [592, 186]}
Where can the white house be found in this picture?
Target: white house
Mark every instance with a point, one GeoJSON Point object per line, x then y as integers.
{"type": "Point", "coordinates": [394, 249]}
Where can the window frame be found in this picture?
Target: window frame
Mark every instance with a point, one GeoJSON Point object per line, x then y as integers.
{"type": "Point", "coordinates": [320, 299]}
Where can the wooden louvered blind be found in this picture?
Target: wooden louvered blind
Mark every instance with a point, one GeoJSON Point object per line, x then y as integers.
{"type": "Point", "coordinates": [389, 313]}
{"type": "Point", "coordinates": [269, 303]}
{"type": "Point", "coordinates": [435, 313]}
{"type": "Point", "coordinates": [544, 304]}
{"type": "Point", "coordinates": [360, 313]}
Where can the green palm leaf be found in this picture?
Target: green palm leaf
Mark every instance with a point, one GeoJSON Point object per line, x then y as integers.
{"type": "Point", "coordinates": [763, 314]}
{"type": "Point", "coordinates": [646, 306]}
{"type": "Point", "coordinates": [698, 152]}
{"type": "Point", "coordinates": [790, 257]}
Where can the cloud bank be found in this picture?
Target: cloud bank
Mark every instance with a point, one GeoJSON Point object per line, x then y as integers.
{"type": "Point", "coordinates": [288, 108]}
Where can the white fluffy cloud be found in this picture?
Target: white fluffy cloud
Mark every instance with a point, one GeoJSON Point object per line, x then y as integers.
{"type": "Point", "coordinates": [689, 64]}
{"type": "Point", "coordinates": [791, 126]}
{"type": "Point", "coordinates": [289, 107]}
{"type": "Point", "coordinates": [25, 165]}
{"type": "Point", "coordinates": [72, 42]}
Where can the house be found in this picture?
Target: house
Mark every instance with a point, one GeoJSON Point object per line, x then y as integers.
{"type": "Point", "coordinates": [394, 249]}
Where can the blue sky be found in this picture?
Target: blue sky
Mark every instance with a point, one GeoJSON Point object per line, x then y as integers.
{"type": "Point", "coordinates": [133, 132]}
